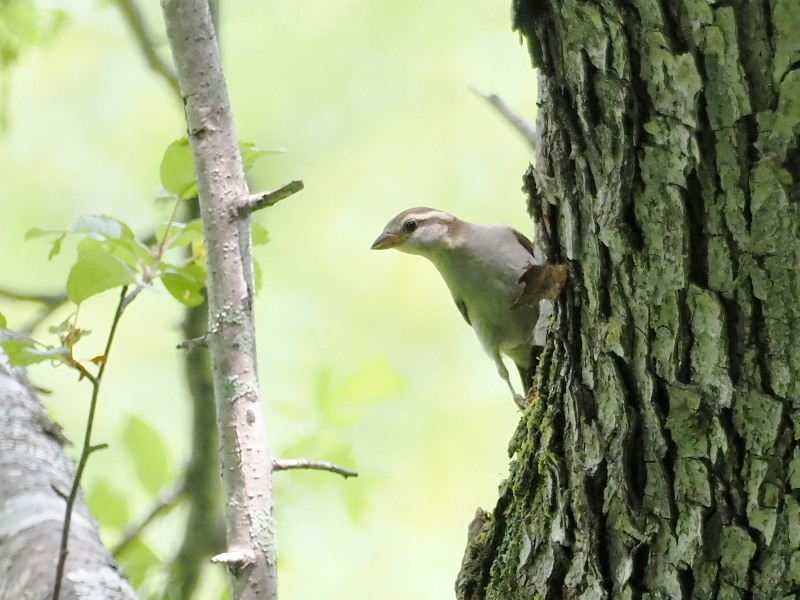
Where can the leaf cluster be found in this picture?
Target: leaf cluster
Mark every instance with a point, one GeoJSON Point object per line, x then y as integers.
{"type": "Point", "coordinates": [110, 256]}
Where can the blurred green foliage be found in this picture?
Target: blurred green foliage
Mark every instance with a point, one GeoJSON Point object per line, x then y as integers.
{"type": "Point", "coordinates": [147, 450]}
{"type": "Point", "coordinates": [23, 26]}
{"type": "Point", "coordinates": [109, 505]}
{"type": "Point", "coordinates": [363, 359]}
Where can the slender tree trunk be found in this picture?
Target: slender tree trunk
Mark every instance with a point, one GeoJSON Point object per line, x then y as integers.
{"type": "Point", "coordinates": [660, 459]}
{"type": "Point", "coordinates": [251, 555]}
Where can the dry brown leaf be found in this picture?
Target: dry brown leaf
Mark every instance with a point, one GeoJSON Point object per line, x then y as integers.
{"type": "Point", "coordinates": [541, 282]}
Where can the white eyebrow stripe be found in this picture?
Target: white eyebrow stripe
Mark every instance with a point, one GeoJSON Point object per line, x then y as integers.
{"type": "Point", "coordinates": [431, 214]}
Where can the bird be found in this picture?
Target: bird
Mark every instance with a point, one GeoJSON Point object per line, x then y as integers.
{"type": "Point", "coordinates": [492, 276]}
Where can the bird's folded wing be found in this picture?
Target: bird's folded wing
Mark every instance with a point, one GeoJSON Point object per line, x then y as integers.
{"type": "Point", "coordinates": [524, 242]}
{"type": "Point", "coordinates": [462, 308]}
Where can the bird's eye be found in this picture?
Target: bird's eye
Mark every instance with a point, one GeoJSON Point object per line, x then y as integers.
{"type": "Point", "coordinates": [410, 226]}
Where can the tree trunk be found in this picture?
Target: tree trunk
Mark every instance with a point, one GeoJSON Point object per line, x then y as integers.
{"type": "Point", "coordinates": [35, 475]}
{"type": "Point", "coordinates": [660, 459]}
{"type": "Point", "coordinates": [246, 465]}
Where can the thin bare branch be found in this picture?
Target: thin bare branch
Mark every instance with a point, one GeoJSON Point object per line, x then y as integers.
{"type": "Point", "coordinates": [192, 343]}
{"type": "Point", "coordinates": [234, 560]}
{"type": "Point", "coordinates": [266, 199]}
{"type": "Point", "coordinates": [49, 300]}
{"type": "Point", "coordinates": [49, 304]}
{"type": "Point", "coordinates": [87, 449]}
{"type": "Point", "coordinates": [132, 295]}
{"type": "Point", "coordinates": [135, 20]}
{"type": "Point", "coordinates": [165, 500]}
{"type": "Point", "coordinates": [516, 121]}
{"type": "Point", "coordinates": [317, 465]}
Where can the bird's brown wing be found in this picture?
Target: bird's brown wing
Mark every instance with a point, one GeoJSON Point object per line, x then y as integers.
{"type": "Point", "coordinates": [524, 242]}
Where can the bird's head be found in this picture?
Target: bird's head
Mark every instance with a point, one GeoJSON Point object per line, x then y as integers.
{"type": "Point", "coordinates": [419, 231]}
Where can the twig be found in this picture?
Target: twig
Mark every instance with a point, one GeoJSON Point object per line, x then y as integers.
{"type": "Point", "coordinates": [304, 463]}
{"type": "Point", "coordinates": [87, 449]}
{"type": "Point", "coordinates": [59, 492]}
{"type": "Point", "coordinates": [147, 278]}
{"type": "Point", "coordinates": [135, 21]}
{"type": "Point", "coordinates": [235, 560]}
{"type": "Point", "coordinates": [52, 301]}
{"type": "Point", "coordinates": [132, 296]}
{"type": "Point", "coordinates": [192, 343]}
{"type": "Point", "coordinates": [165, 500]}
{"type": "Point", "coordinates": [266, 199]}
{"type": "Point", "coordinates": [516, 121]}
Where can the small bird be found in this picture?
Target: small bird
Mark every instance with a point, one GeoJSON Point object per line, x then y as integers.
{"type": "Point", "coordinates": [491, 275]}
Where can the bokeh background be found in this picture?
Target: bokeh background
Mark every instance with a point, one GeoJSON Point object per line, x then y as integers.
{"type": "Point", "coordinates": [363, 357]}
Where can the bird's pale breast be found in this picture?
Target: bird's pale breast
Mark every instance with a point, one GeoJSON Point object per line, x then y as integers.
{"type": "Point", "coordinates": [488, 284]}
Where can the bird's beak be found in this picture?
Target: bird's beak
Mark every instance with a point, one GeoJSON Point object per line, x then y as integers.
{"type": "Point", "coordinates": [386, 240]}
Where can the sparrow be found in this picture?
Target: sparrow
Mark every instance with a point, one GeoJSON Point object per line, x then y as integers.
{"type": "Point", "coordinates": [490, 272]}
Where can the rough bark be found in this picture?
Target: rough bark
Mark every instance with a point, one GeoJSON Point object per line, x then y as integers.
{"type": "Point", "coordinates": [661, 457]}
{"type": "Point", "coordinates": [245, 461]}
{"type": "Point", "coordinates": [34, 476]}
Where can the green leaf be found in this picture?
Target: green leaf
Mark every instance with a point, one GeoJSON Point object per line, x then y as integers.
{"type": "Point", "coordinates": [138, 559]}
{"type": "Point", "coordinates": [251, 153]}
{"type": "Point", "coordinates": [180, 234]}
{"type": "Point", "coordinates": [101, 227]}
{"type": "Point", "coordinates": [22, 353]}
{"type": "Point", "coordinates": [149, 454]}
{"type": "Point", "coordinates": [259, 235]}
{"type": "Point", "coordinates": [192, 233]}
{"type": "Point", "coordinates": [98, 227]}
{"type": "Point", "coordinates": [96, 271]}
{"type": "Point", "coordinates": [186, 284]}
{"type": "Point", "coordinates": [132, 252]}
{"type": "Point", "coordinates": [62, 328]}
{"type": "Point", "coordinates": [37, 232]}
{"type": "Point", "coordinates": [108, 505]}
{"type": "Point", "coordinates": [177, 170]}
{"type": "Point", "coordinates": [3, 321]}
{"type": "Point", "coordinates": [128, 251]}
{"type": "Point", "coordinates": [198, 253]}
{"type": "Point", "coordinates": [56, 248]}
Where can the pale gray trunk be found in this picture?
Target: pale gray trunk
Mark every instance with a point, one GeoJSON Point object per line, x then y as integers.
{"type": "Point", "coordinates": [35, 475]}
{"type": "Point", "coordinates": [246, 464]}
